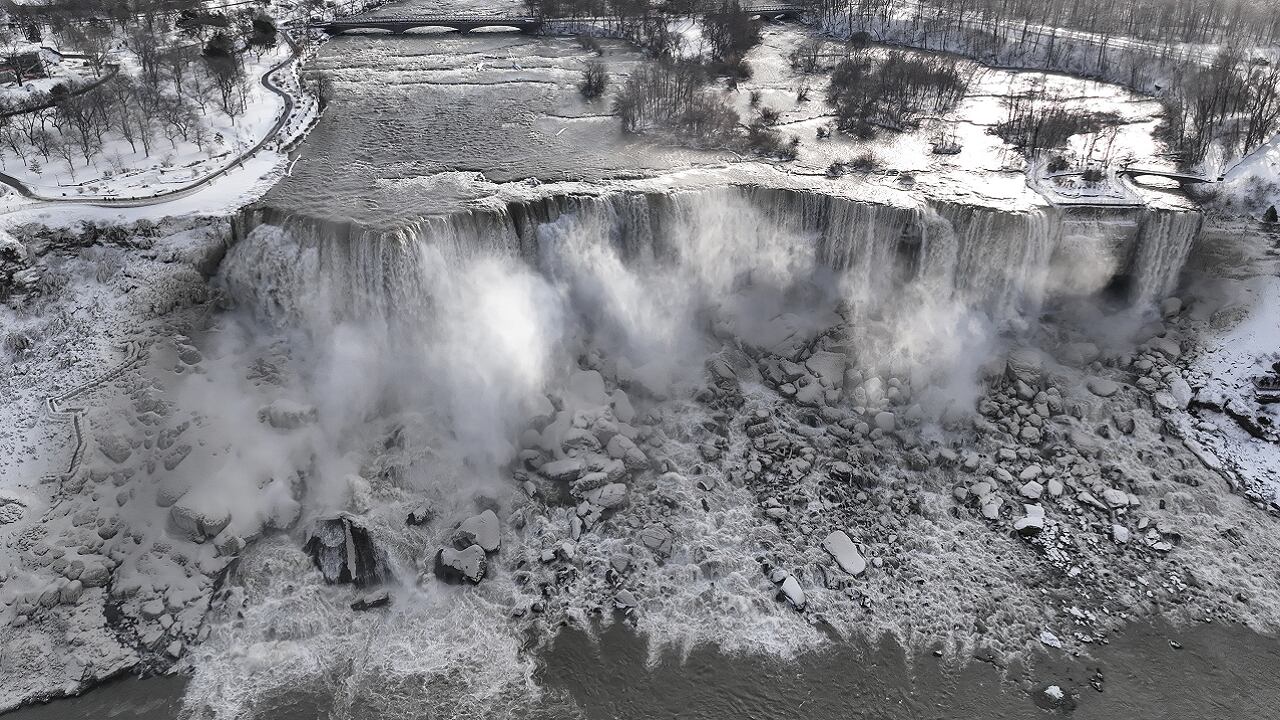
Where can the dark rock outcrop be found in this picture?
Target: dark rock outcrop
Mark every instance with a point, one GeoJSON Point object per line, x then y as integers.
{"type": "Point", "coordinates": [344, 552]}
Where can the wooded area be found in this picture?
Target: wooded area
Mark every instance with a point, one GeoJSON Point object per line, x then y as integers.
{"type": "Point", "coordinates": [189, 62]}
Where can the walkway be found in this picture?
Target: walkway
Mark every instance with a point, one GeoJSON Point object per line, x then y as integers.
{"type": "Point", "coordinates": [396, 24]}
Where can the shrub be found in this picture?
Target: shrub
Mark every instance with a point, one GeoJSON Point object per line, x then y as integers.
{"type": "Point", "coordinates": [765, 141]}
{"type": "Point", "coordinates": [1037, 121]}
{"type": "Point", "coordinates": [586, 42]}
{"type": "Point", "coordinates": [594, 80]}
{"type": "Point", "coordinates": [754, 99]}
{"type": "Point", "coordinates": [802, 95]}
{"type": "Point", "coordinates": [1270, 215]}
{"type": "Point", "coordinates": [866, 162]}
{"type": "Point", "coordinates": [895, 91]}
{"type": "Point", "coordinates": [674, 96]}
{"type": "Point", "coordinates": [1057, 163]}
{"type": "Point", "coordinates": [807, 57]}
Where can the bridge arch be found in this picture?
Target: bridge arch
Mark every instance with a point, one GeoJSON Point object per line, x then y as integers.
{"type": "Point", "coordinates": [429, 29]}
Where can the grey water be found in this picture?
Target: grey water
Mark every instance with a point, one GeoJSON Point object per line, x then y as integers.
{"type": "Point", "coordinates": [1147, 672]}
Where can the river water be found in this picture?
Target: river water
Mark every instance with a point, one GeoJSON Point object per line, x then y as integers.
{"type": "Point", "coordinates": [1217, 671]}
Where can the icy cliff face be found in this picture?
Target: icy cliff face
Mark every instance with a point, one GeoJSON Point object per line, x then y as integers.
{"type": "Point", "coordinates": [1001, 263]}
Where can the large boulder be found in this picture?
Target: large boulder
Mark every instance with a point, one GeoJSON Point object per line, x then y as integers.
{"type": "Point", "coordinates": [483, 530]}
{"type": "Point", "coordinates": [657, 539]}
{"type": "Point", "coordinates": [846, 554]}
{"type": "Point", "coordinates": [607, 496]}
{"type": "Point", "coordinates": [455, 566]}
{"type": "Point", "coordinates": [565, 471]}
{"type": "Point", "coordinates": [1025, 364]}
{"type": "Point", "coordinates": [344, 552]}
{"type": "Point", "coordinates": [199, 518]}
{"type": "Point", "coordinates": [793, 592]}
{"type": "Point", "coordinates": [828, 367]}
{"type": "Point", "coordinates": [1102, 387]}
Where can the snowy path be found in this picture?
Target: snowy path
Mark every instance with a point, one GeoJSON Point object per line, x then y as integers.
{"type": "Point", "coordinates": [58, 411]}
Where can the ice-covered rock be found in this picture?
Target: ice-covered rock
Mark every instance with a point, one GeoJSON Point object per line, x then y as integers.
{"type": "Point", "coordinates": [624, 448]}
{"type": "Point", "coordinates": [1079, 354]}
{"type": "Point", "coordinates": [1102, 387]}
{"type": "Point", "coordinates": [587, 386]}
{"type": "Point", "coordinates": [846, 554]}
{"type": "Point", "coordinates": [455, 566]}
{"type": "Point", "coordinates": [1120, 534]}
{"type": "Point", "coordinates": [1032, 522]}
{"type": "Point", "coordinates": [566, 470]}
{"type": "Point", "coordinates": [344, 552]}
{"type": "Point", "coordinates": [200, 515]}
{"type": "Point", "coordinates": [372, 600]}
{"type": "Point", "coordinates": [284, 414]}
{"type": "Point", "coordinates": [1031, 490]}
{"type": "Point", "coordinates": [1025, 365]}
{"type": "Point", "coordinates": [1180, 391]}
{"type": "Point", "coordinates": [541, 412]}
{"type": "Point", "coordinates": [828, 368]}
{"type": "Point", "coordinates": [657, 539]}
{"type": "Point", "coordinates": [607, 496]}
{"type": "Point", "coordinates": [1166, 346]}
{"type": "Point", "coordinates": [1115, 498]}
{"type": "Point", "coordinates": [483, 530]}
{"type": "Point", "coordinates": [622, 409]}
{"type": "Point", "coordinates": [793, 592]}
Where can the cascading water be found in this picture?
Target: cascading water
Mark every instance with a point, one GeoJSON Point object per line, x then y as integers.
{"type": "Point", "coordinates": [991, 260]}
{"type": "Point", "coordinates": [445, 337]}
{"type": "Point", "coordinates": [1164, 242]}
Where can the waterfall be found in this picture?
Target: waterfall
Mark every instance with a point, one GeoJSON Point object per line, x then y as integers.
{"type": "Point", "coordinates": [1164, 242]}
{"type": "Point", "coordinates": [299, 271]}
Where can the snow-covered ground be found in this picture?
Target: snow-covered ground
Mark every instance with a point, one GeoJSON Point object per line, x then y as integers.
{"type": "Point", "coordinates": [128, 171]}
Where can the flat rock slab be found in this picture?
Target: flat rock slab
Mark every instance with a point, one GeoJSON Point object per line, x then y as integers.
{"type": "Point", "coordinates": [1102, 387]}
{"type": "Point", "coordinates": [846, 554]}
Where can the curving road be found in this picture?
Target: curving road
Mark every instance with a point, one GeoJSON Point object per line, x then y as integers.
{"type": "Point", "coordinates": [192, 187]}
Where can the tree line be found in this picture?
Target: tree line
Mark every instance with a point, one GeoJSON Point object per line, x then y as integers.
{"type": "Point", "coordinates": [1164, 48]}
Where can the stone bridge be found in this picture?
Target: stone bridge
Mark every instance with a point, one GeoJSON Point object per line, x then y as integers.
{"type": "Point", "coordinates": [396, 24]}
{"type": "Point", "coordinates": [462, 23]}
